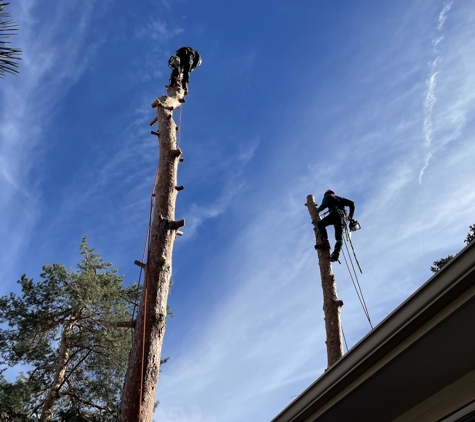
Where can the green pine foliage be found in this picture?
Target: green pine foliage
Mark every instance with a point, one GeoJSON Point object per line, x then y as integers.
{"type": "Point", "coordinates": [470, 235]}
{"type": "Point", "coordinates": [14, 398]}
{"type": "Point", "coordinates": [9, 56]}
{"type": "Point", "coordinates": [438, 265]}
{"type": "Point", "coordinates": [79, 311]}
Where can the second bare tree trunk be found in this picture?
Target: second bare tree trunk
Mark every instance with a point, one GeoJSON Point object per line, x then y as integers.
{"type": "Point", "coordinates": [138, 396]}
{"type": "Point", "coordinates": [331, 304]}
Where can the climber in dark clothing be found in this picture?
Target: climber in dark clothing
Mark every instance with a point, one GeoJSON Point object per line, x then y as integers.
{"type": "Point", "coordinates": [336, 218]}
{"type": "Point", "coordinates": [184, 61]}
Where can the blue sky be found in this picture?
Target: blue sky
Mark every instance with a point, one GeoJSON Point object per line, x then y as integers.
{"type": "Point", "coordinates": [372, 99]}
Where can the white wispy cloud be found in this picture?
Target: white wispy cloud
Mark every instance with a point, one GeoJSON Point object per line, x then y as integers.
{"type": "Point", "coordinates": [50, 65]}
{"type": "Point", "coordinates": [178, 414]}
{"type": "Point", "coordinates": [430, 98]}
{"type": "Point", "coordinates": [157, 33]}
{"type": "Point", "coordinates": [443, 15]}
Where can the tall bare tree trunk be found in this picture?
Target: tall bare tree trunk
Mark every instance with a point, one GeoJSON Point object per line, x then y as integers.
{"type": "Point", "coordinates": [331, 304]}
{"type": "Point", "coordinates": [141, 380]}
{"type": "Point", "coordinates": [61, 367]}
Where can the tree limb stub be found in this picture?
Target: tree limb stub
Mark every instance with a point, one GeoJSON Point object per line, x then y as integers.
{"type": "Point", "coordinates": [176, 152]}
{"type": "Point", "coordinates": [168, 103]}
{"type": "Point", "coordinates": [175, 225]}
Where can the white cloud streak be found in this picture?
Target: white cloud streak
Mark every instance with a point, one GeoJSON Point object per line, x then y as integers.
{"type": "Point", "coordinates": [51, 64]}
{"type": "Point", "coordinates": [443, 15]}
{"type": "Point", "coordinates": [235, 166]}
{"type": "Point", "coordinates": [430, 98]}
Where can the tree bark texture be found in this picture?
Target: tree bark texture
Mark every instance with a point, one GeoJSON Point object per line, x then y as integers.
{"type": "Point", "coordinates": [60, 373]}
{"type": "Point", "coordinates": [141, 380]}
{"type": "Point", "coordinates": [331, 304]}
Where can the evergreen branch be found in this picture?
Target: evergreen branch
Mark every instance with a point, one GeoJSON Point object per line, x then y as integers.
{"type": "Point", "coordinates": [86, 402]}
{"type": "Point", "coordinates": [72, 370]}
{"type": "Point", "coordinates": [39, 368]}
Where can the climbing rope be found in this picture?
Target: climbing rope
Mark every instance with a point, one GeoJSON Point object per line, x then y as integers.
{"type": "Point", "coordinates": [146, 244]}
{"type": "Point", "coordinates": [344, 338]}
{"type": "Point", "coordinates": [348, 237]}
{"type": "Point", "coordinates": [359, 291]}
{"type": "Point", "coordinates": [144, 254]}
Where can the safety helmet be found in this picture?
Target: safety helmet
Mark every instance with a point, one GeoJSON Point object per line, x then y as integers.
{"type": "Point", "coordinates": [329, 191]}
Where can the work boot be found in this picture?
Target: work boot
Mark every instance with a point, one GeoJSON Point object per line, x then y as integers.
{"type": "Point", "coordinates": [334, 256]}
{"type": "Point", "coordinates": [323, 245]}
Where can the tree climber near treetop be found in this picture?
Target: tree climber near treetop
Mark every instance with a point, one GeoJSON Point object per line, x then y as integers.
{"type": "Point", "coordinates": [185, 60]}
{"type": "Point", "coordinates": [337, 218]}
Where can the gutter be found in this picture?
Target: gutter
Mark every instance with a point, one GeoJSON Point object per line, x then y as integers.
{"type": "Point", "coordinates": [389, 338]}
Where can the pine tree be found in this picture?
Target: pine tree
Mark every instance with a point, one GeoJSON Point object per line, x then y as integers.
{"type": "Point", "coordinates": [439, 264]}
{"type": "Point", "coordinates": [470, 234]}
{"type": "Point", "coordinates": [64, 328]}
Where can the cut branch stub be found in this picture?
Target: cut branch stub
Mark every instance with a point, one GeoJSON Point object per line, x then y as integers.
{"type": "Point", "coordinates": [176, 152]}
{"type": "Point", "coordinates": [139, 264]}
{"type": "Point", "coordinates": [179, 188]}
{"type": "Point", "coordinates": [175, 225]}
{"type": "Point", "coordinates": [168, 103]}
